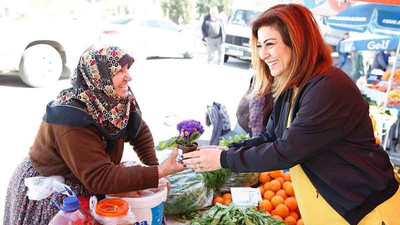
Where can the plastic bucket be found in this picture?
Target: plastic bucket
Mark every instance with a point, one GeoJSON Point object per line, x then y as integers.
{"type": "Point", "coordinates": [149, 209]}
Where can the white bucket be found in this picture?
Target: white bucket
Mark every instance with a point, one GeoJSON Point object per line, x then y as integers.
{"type": "Point", "coordinates": [150, 209]}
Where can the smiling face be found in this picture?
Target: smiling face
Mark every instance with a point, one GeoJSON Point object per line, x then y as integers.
{"type": "Point", "coordinates": [273, 51]}
{"type": "Point", "coordinates": [120, 82]}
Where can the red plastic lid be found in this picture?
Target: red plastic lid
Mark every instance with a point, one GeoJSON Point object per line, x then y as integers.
{"type": "Point", "coordinates": [112, 207]}
{"type": "Point", "coordinates": [84, 202]}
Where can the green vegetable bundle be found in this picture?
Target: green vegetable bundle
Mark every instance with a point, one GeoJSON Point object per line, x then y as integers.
{"type": "Point", "coordinates": [188, 193]}
{"type": "Point", "coordinates": [234, 215]}
{"type": "Point", "coordinates": [237, 179]}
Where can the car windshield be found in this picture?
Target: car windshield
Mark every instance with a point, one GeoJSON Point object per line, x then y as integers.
{"type": "Point", "coordinates": [244, 17]}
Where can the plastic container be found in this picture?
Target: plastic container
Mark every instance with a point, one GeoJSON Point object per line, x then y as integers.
{"type": "Point", "coordinates": [147, 205]}
{"type": "Point", "coordinates": [84, 202]}
{"type": "Point", "coordinates": [113, 211]}
{"type": "Point", "coordinates": [150, 208]}
{"type": "Point", "coordinates": [70, 211]}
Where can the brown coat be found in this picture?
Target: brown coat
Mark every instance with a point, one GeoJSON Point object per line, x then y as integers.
{"type": "Point", "coordinates": [79, 155]}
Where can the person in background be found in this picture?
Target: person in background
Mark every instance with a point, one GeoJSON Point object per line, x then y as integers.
{"type": "Point", "coordinates": [253, 112]}
{"type": "Point", "coordinates": [342, 55]}
{"type": "Point", "coordinates": [82, 136]}
{"type": "Point", "coordinates": [214, 35]}
{"type": "Point", "coordinates": [319, 128]}
{"type": "Point", "coordinates": [381, 61]}
{"type": "Point", "coordinates": [357, 70]}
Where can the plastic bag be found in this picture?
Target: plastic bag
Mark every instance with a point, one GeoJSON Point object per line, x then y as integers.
{"type": "Point", "coordinates": [188, 193]}
{"type": "Point", "coordinates": [128, 218]}
{"type": "Point", "coordinates": [42, 187]}
{"type": "Point", "coordinates": [239, 180]}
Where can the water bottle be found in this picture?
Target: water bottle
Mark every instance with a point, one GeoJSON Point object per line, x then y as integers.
{"type": "Point", "coordinates": [70, 211]}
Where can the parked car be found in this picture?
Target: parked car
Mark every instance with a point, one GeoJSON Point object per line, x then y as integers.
{"type": "Point", "coordinates": [42, 49]}
{"type": "Point", "coordinates": [145, 38]}
{"type": "Point", "coordinates": [238, 33]}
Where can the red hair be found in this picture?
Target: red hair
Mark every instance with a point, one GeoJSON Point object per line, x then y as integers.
{"type": "Point", "coordinates": [300, 32]}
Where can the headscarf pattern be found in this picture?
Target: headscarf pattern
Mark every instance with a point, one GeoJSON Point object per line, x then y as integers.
{"type": "Point", "coordinates": [93, 91]}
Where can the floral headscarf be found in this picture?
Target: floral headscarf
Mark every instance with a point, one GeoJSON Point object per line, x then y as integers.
{"type": "Point", "coordinates": [93, 91]}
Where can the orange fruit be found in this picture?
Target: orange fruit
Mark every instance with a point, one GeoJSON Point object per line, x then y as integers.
{"type": "Point", "coordinates": [265, 205]}
{"type": "Point", "coordinates": [267, 186]}
{"type": "Point", "coordinates": [227, 201]}
{"type": "Point", "coordinates": [277, 218]}
{"type": "Point", "coordinates": [282, 210]}
{"type": "Point", "coordinates": [281, 193]}
{"type": "Point", "coordinates": [285, 184]}
{"type": "Point", "coordinates": [268, 194]}
{"type": "Point", "coordinates": [261, 188]}
{"type": "Point", "coordinates": [277, 200]}
{"type": "Point", "coordinates": [287, 177]}
{"type": "Point", "coordinates": [218, 199]}
{"type": "Point", "coordinates": [289, 189]}
{"type": "Point", "coordinates": [290, 220]}
{"type": "Point", "coordinates": [264, 177]}
{"type": "Point", "coordinates": [294, 214]}
{"type": "Point", "coordinates": [227, 196]}
{"type": "Point", "coordinates": [291, 203]}
{"type": "Point", "coordinates": [276, 173]}
{"type": "Point", "coordinates": [280, 179]}
{"type": "Point", "coordinates": [275, 185]}
{"type": "Point", "coordinates": [300, 222]}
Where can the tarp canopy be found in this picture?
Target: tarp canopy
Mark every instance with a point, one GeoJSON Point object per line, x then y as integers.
{"type": "Point", "coordinates": [376, 18]}
{"type": "Point", "coordinates": [369, 42]}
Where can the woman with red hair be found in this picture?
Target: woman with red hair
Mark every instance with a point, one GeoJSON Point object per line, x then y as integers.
{"type": "Point", "coordinates": [319, 128]}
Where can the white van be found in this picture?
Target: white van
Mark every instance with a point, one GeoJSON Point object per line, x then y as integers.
{"type": "Point", "coordinates": [238, 33]}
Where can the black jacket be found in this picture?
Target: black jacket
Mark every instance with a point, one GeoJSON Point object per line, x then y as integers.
{"type": "Point", "coordinates": [331, 137]}
{"type": "Point", "coordinates": [204, 27]}
{"type": "Point", "coordinates": [380, 61]}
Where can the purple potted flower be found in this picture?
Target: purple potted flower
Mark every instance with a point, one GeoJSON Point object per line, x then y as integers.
{"type": "Point", "coordinates": [189, 132]}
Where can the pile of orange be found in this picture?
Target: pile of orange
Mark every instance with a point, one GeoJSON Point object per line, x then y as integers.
{"type": "Point", "coordinates": [278, 197]}
{"type": "Point", "coordinates": [224, 199]}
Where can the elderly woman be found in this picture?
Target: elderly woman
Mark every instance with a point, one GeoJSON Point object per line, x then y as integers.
{"type": "Point", "coordinates": [82, 136]}
{"type": "Point", "coordinates": [319, 128]}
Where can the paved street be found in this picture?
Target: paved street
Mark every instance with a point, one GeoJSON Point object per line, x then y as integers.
{"type": "Point", "coordinates": [168, 91]}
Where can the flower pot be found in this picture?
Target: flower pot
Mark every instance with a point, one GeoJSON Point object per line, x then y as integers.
{"type": "Point", "coordinates": [186, 149]}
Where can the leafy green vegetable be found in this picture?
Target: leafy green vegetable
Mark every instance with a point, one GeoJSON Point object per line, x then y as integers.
{"type": "Point", "coordinates": [216, 179]}
{"type": "Point", "coordinates": [234, 215]}
{"type": "Point", "coordinates": [237, 179]}
{"type": "Point", "coordinates": [234, 139]}
{"type": "Point", "coordinates": [188, 193]}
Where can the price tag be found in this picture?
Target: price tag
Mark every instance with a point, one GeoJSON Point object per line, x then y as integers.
{"type": "Point", "coordinates": [246, 196]}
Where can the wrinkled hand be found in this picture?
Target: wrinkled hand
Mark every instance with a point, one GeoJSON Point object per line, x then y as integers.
{"type": "Point", "coordinates": [204, 159]}
{"type": "Point", "coordinates": [170, 165]}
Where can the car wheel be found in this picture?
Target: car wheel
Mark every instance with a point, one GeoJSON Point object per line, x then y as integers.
{"type": "Point", "coordinates": [40, 66]}
{"type": "Point", "coordinates": [226, 57]}
{"type": "Point", "coordinates": [188, 55]}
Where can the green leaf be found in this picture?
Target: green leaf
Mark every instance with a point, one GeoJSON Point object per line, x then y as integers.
{"type": "Point", "coordinates": [234, 139]}
{"type": "Point", "coordinates": [193, 137]}
{"type": "Point", "coordinates": [166, 144]}
{"type": "Point", "coordinates": [215, 179]}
